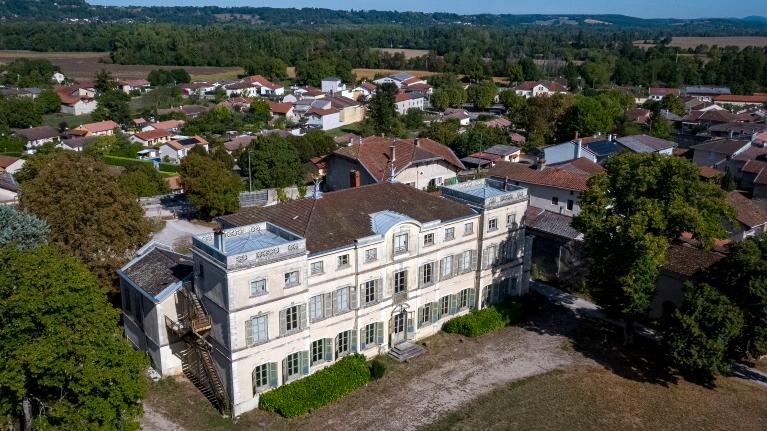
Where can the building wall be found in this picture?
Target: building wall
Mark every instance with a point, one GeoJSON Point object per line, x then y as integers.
{"type": "Point", "coordinates": [338, 169]}
{"type": "Point", "coordinates": [352, 114]}
{"type": "Point", "coordinates": [405, 105]}
{"type": "Point", "coordinates": [542, 197]}
{"type": "Point", "coordinates": [419, 175]}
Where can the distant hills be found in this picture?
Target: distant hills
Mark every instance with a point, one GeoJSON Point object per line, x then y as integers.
{"type": "Point", "coordinates": [81, 11]}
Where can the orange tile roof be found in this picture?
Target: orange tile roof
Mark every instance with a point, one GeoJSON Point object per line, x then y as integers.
{"type": "Point", "coordinates": [550, 176]}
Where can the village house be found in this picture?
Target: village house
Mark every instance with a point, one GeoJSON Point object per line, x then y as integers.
{"type": "Point", "coordinates": [128, 86]}
{"type": "Point", "coordinates": [323, 119]}
{"type": "Point", "coordinates": [11, 164]}
{"type": "Point", "coordinates": [364, 91]}
{"type": "Point", "coordinates": [552, 188]}
{"type": "Point", "coordinates": [460, 115]}
{"type": "Point", "coordinates": [286, 290]}
{"type": "Point", "coordinates": [9, 189]}
{"type": "Point", "coordinates": [404, 102]}
{"type": "Point", "coordinates": [199, 88]}
{"type": "Point", "coordinates": [178, 148]}
{"type": "Point", "coordinates": [718, 153]}
{"type": "Point", "coordinates": [77, 99]}
{"type": "Point", "coordinates": [76, 144]}
{"type": "Point", "coordinates": [167, 126]}
{"type": "Point", "coordinates": [265, 87]}
{"type": "Point", "coordinates": [243, 89]}
{"type": "Point", "coordinates": [751, 220]}
{"type": "Point", "coordinates": [101, 128]}
{"type": "Point", "coordinates": [351, 111]}
{"type": "Point", "coordinates": [332, 85]}
{"type": "Point", "coordinates": [37, 137]}
{"type": "Point", "coordinates": [646, 144]}
{"type": "Point", "coordinates": [658, 93]}
{"type": "Point", "coordinates": [529, 89]}
{"type": "Point", "coordinates": [400, 79]}
{"type": "Point", "coordinates": [756, 99]}
{"type": "Point", "coordinates": [706, 93]}
{"type": "Point", "coordinates": [488, 157]}
{"type": "Point", "coordinates": [557, 250]}
{"type": "Point", "coordinates": [421, 163]}
{"type": "Point", "coordinates": [152, 138]}
{"type": "Point", "coordinates": [284, 110]}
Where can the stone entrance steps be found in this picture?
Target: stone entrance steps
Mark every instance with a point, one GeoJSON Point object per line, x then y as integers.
{"type": "Point", "coordinates": [405, 351]}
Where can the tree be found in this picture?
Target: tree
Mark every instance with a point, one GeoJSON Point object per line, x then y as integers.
{"type": "Point", "coordinates": [382, 112]}
{"type": "Point", "coordinates": [48, 101]}
{"type": "Point", "coordinates": [700, 333]}
{"type": "Point", "coordinates": [727, 181]}
{"type": "Point", "coordinates": [260, 112]}
{"type": "Point", "coordinates": [481, 95]}
{"type": "Point", "coordinates": [314, 143]}
{"type": "Point", "coordinates": [515, 73]}
{"type": "Point", "coordinates": [515, 106]}
{"type": "Point", "coordinates": [100, 146]}
{"type": "Point", "coordinates": [673, 103]}
{"type": "Point", "coordinates": [273, 163]}
{"type": "Point", "coordinates": [104, 81]}
{"type": "Point", "coordinates": [530, 70]}
{"type": "Point", "coordinates": [90, 216]}
{"type": "Point", "coordinates": [478, 137]}
{"type": "Point", "coordinates": [209, 185]}
{"type": "Point", "coordinates": [142, 181]}
{"type": "Point", "coordinates": [630, 214]}
{"type": "Point", "coordinates": [413, 119]}
{"type": "Point", "coordinates": [63, 352]}
{"type": "Point", "coordinates": [444, 132]}
{"type": "Point", "coordinates": [660, 127]}
{"type": "Point", "coordinates": [112, 105]}
{"type": "Point", "coordinates": [21, 228]}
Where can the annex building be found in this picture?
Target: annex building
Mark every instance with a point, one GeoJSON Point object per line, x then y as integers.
{"type": "Point", "coordinates": [280, 292]}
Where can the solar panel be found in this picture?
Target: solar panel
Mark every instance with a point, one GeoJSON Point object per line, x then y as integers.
{"type": "Point", "coordinates": [603, 147]}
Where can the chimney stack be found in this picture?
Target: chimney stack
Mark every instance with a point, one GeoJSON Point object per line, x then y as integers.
{"type": "Point", "coordinates": [417, 142]}
{"type": "Point", "coordinates": [577, 135]}
{"type": "Point", "coordinates": [218, 239]}
{"type": "Point", "coordinates": [541, 163]}
{"type": "Point", "coordinates": [354, 178]}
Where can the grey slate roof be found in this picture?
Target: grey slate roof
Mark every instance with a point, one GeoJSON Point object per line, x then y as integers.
{"type": "Point", "coordinates": [550, 222]}
{"type": "Point", "coordinates": [645, 143]}
{"type": "Point", "coordinates": [502, 150]}
{"type": "Point", "coordinates": [157, 269]}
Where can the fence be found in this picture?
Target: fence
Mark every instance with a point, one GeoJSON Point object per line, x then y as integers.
{"type": "Point", "coordinates": [260, 198]}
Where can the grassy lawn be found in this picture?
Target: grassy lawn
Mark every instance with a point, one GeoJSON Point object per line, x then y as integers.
{"type": "Point", "coordinates": [591, 399]}
{"type": "Point", "coordinates": [54, 120]}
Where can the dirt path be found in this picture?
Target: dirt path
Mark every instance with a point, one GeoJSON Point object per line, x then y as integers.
{"type": "Point", "coordinates": [155, 421]}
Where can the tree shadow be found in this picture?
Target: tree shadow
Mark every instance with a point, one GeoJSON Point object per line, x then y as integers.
{"type": "Point", "coordinates": [601, 342]}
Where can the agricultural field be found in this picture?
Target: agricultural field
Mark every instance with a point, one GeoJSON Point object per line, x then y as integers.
{"type": "Point", "coordinates": [694, 42]}
{"type": "Point", "coordinates": [408, 53]}
{"type": "Point", "coordinates": [84, 65]}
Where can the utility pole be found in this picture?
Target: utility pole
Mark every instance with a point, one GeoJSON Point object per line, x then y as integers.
{"type": "Point", "coordinates": [250, 173]}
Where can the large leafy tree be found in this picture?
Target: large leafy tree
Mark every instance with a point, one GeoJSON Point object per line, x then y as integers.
{"type": "Point", "coordinates": [273, 163]}
{"type": "Point", "coordinates": [382, 112]}
{"type": "Point", "coordinates": [481, 95]}
{"type": "Point", "coordinates": [142, 181]}
{"type": "Point", "coordinates": [21, 228]}
{"type": "Point", "coordinates": [90, 215]}
{"type": "Point", "coordinates": [113, 105]}
{"type": "Point", "coordinates": [629, 216]}
{"type": "Point", "coordinates": [700, 332]}
{"type": "Point", "coordinates": [210, 185]}
{"type": "Point", "coordinates": [104, 81]}
{"type": "Point", "coordinates": [65, 362]}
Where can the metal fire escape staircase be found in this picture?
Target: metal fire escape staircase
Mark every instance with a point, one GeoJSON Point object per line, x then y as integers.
{"type": "Point", "coordinates": [193, 325]}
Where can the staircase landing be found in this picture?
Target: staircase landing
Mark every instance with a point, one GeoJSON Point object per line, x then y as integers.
{"type": "Point", "coordinates": [405, 351]}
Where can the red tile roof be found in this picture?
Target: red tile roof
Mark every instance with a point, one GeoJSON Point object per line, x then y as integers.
{"type": "Point", "coordinates": [167, 124]}
{"type": "Point", "coordinates": [550, 176]}
{"type": "Point", "coordinates": [6, 161]}
{"type": "Point", "coordinates": [374, 153]}
{"type": "Point", "coordinates": [660, 91]}
{"type": "Point", "coordinates": [101, 126]}
{"type": "Point", "coordinates": [322, 112]}
{"type": "Point", "coordinates": [580, 165]}
{"type": "Point", "coordinates": [687, 260]}
{"type": "Point", "coordinates": [153, 134]}
{"type": "Point", "coordinates": [707, 172]}
{"type": "Point", "coordinates": [499, 122]}
{"type": "Point", "coordinates": [280, 108]}
{"type": "Point", "coordinates": [748, 212]}
{"type": "Point", "coordinates": [756, 98]}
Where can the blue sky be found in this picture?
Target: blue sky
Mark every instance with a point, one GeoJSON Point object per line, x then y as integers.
{"type": "Point", "coordinates": [642, 8]}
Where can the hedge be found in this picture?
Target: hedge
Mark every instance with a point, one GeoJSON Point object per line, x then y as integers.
{"type": "Point", "coordinates": [480, 322]}
{"type": "Point", "coordinates": [168, 167]}
{"type": "Point", "coordinates": [318, 389]}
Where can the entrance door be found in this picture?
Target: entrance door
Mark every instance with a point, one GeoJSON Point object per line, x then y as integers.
{"type": "Point", "coordinates": [398, 328]}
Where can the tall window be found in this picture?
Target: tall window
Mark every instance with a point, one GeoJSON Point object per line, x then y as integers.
{"type": "Point", "coordinates": [400, 243]}
{"type": "Point", "coordinates": [257, 287]}
{"type": "Point", "coordinates": [427, 274]}
{"type": "Point", "coordinates": [291, 279]}
{"type": "Point", "coordinates": [511, 219]}
{"type": "Point", "coordinates": [260, 377]}
{"type": "Point", "coordinates": [468, 228]}
{"type": "Point", "coordinates": [400, 281]}
{"type": "Point", "coordinates": [449, 233]}
{"type": "Point", "coordinates": [570, 204]}
{"type": "Point", "coordinates": [466, 261]}
{"type": "Point", "coordinates": [317, 268]}
{"type": "Point", "coordinates": [292, 365]}
{"type": "Point", "coordinates": [446, 267]}
{"type": "Point", "coordinates": [369, 291]}
{"type": "Point", "coordinates": [428, 239]}
{"type": "Point", "coordinates": [492, 224]}
{"type": "Point", "coordinates": [318, 351]}
{"type": "Point", "coordinates": [256, 330]}
{"type": "Point", "coordinates": [463, 298]}
{"type": "Point", "coordinates": [343, 261]}
{"type": "Point", "coordinates": [370, 334]}
{"type": "Point", "coordinates": [342, 299]}
{"type": "Point", "coordinates": [444, 306]}
{"type": "Point", "coordinates": [316, 308]}
{"type": "Point", "coordinates": [343, 345]}
{"type": "Point", "coordinates": [291, 315]}
{"type": "Point", "coordinates": [371, 255]}
{"type": "Point", "coordinates": [425, 314]}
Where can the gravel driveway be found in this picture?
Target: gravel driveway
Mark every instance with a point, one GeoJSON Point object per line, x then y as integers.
{"type": "Point", "coordinates": [178, 234]}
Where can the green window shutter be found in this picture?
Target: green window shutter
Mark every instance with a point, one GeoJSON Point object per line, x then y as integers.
{"type": "Point", "coordinates": [327, 304]}
{"type": "Point", "coordinates": [353, 341]}
{"type": "Point", "coordinates": [353, 298]}
{"type": "Point", "coordinates": [459, 267]}
{"type": "Point", "coordinates": [272, 368]}
{"type": "Point", "coordinates": [388, 288]}
{"type": "Point", "coordinates": [435, 310]}
{"type": "Point", "coordinates": [253, 380]}
{"type": "Point", "coordinates": [472, 297]}
{"type": "Point", "coordinates": [283, 322]}
{"type": "Point", "coordinates": [380, 332]}
{"type": "Point", "coordinates": [303, 360]}
{"type": "Point", "coordinates": [285, 371]}
{"type": "Point", "coordinates": [249, 332]}
{"type": "Point", "coordinates": [327, 349]}
{"type": "Point", "coordinates": [378, 292]}
{"type": "Point", "coordinates": [456, 263]}
{"type": "Point", "coordinates": [420, 316]}
{"type": "Point", "coordinates": [453, 304]}
{"type": "Point", "coordinates": [420, 276]}
{"type": "Point", "coordinates": [440, 270]}
{"type": "Point", "coordinates": [474, 260]}
{"type": "Point", "coordinates": [334, 298]}
{"type": "Point", "coordinates": [302, 316]}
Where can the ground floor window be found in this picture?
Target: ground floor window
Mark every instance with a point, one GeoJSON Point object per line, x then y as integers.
{"type": "Point", "coordinates": [292, 365]}
{"type": "Point", "coordinates": [424, 315]}
{"type": "Point", "coordinates": [260, 377]}
{"type": "Point", "coordinates": [444, 306]}
{"type": "Point", "coordinates": [344, 343]}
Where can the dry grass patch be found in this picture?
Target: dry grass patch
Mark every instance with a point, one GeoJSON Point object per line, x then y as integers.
{"type": "Point", "coordinates": [408, 53]}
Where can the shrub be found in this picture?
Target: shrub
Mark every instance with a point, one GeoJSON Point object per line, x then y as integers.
{"type": "Point", "coordinates": [480, 322]}
{"type": "Point", "coordinates": [168, 167]}
{"type": "Point", "coordinates": [377, 369]}
{"type": "Point", "coordinates": [318, 389]}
